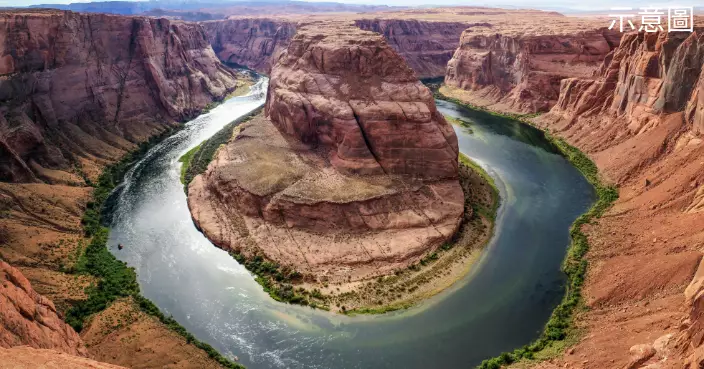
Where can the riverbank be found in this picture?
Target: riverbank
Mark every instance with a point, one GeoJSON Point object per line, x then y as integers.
{"type": "Point", "coordinates": [434, 272]}
{"type": "Point", "coordinates": [117, 281]}
{"type": "Point", "coordinates": [560, 332]}
{"type": "Point", "coordinates": [53, 233]}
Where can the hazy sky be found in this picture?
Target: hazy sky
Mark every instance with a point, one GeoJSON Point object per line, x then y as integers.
{"type": "Point", "coordinates": [539, 4]}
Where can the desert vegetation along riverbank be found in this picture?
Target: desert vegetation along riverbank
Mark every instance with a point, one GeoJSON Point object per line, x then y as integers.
{"type": "Point", "coordinates": [434, 272]}
{"type": "Point", "coordinates": [560, 331]}
{"type": "Point", "coordinates": [115, 279]}
{"type": "Point", "coordinates": [334, 186]}
{"type": "Point", "coordinates": [72, 107]}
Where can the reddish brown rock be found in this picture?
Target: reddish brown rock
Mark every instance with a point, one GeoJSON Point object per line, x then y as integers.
{"type": "Point", "coordinates": [251, 42]}
{"type": "Point", "coordinates": [24, 357]}
{"type": "Point", "coordinates": [426, 46]}
{"type": "Point", "coordinates": [91, 85]}
{"type": "Point", "coordinates": [354, 97]}
{"type": "Point", "coordinates": [30, 319]}
{"type": "Point", "coordinates": [353, 175]}
{"type": "Point", "coordinates": [639, 118]}
{"type": "Point", "coordinates": [519, 71]}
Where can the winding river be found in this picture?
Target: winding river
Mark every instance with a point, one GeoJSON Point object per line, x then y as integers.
{"type": "Point", "coordinates": [502, 304]}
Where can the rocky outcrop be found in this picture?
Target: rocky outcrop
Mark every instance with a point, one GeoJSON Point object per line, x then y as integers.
{"type": "Point", "coordinates": [88, 86]}
{"type": "Point", "coordinates": [251, 42]}
{"type": "Point", "coordinates": [649, 75]}
{"type": "Point", "coordinates": [27, 357]}
{"type": "Point", "coordinates": [519, 71]}
{"type": "Point", "coordinates": [30, 319]}
{"type": "Point", "coordinates": [426, 46]}
{"type": "Point", "coordinates": [355, 98]}
{"type": "Point", "coordinates": [351, 174]}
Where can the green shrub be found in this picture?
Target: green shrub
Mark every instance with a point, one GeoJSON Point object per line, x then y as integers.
{"type": "Point", "coordinates": [115, 279]}
{"type": "Point", "coordinates": [201, 156]}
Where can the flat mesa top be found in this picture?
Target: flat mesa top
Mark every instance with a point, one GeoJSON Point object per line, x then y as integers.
{"type": "Point", "coordinates": [335, 32]}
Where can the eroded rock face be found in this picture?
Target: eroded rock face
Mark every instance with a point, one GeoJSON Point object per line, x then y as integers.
{"type": "Point", "coordinates": [639, 118]}
{"type": "Point", "coordinates": [353, 96]}
{"type": "Point", "coordinates": [648, 76]}
{"type": "Point", "coordinates": [30, 319]}
{"type": "Point", "coordinates": [426, 46]}
{"type": "Point", "coordinates": [351, 174]}
{"type": "Point", "coordinates": [91, 85]}
{"type": "Point", "coordinates": [251, 42]}
{"type": "Point", "coordinates": [520, 71]}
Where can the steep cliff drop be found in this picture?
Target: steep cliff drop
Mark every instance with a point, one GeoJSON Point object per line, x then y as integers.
{"type": "Point", "coordinates": [640, 119]}
{"type": "Point", "coordinates": [519, 69]}
{"type": "Point", "coordinates": [352, 174]}
{"type": "Point", "coordinates": [250, 42]}
{"type": "Point", "coordinates": [31, 332]}
{"type": "Point", "coordinates": [77, 92]}
{"type": "Point", "coordinates": [84, 88]}
{"type": "Point", "coordinates": [426, 46]}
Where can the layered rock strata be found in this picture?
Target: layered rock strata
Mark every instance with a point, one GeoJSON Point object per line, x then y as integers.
{"type": "Point", "coordinates": [351, 174]}
{"type": "Point", "coordinates": [80, 87]}
{"type": "Point", "coordinates": [77, 91]}
{"type": "Point", "coordinates": [639, 117]}
{"type": "Point", "coordinates": [251, 42]}
{"type": "Point", "coordinates": [520, 71]}
{"type": "Point", "coordinates": [30, 319]}
{"type": "Point", "coordinates": [426, 46]}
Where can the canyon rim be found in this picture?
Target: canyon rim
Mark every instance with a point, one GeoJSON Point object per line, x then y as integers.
{"type": "Point", "coordinates": [348, 183]}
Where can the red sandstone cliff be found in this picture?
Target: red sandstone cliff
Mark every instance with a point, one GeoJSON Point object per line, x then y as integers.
{"type": "Point", "coordinates": [353, 175]}
{"type": "Point", "coordinates": [639, 117]}
{"type": "Point", "coordinates": [30, 319]}
{"type": "Point", "coordinates": [250, 42]}
{"type": "Point", "coordinates": [426, 46]}
{"type": "Point", "coordinates": [353, 96]}
{"type": "Point", "coordinates": [520, 71]}
{"type": "Point", "coordinates": [79, 87]}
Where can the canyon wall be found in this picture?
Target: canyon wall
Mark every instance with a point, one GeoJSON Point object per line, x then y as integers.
{"type": "Point", "coordinates": [250, 42]}
{"type": "Point", "coordinates": [639, 117]}
{"type": "Point", "coordinates": [352, 173]}
{"type": "Point", "coordinates": [77, 92]}
{"type": "Point", "coordinates": [86, 87]}
{"type": "Point", "coordinates": [520, 71]}
{"type": "Point", "coordinates": [426, 46]}
{"type": "Point", "coordinates": [255, 42]}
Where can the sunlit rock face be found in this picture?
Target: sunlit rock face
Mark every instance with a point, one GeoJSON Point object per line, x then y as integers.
{"type": "Point", "coordinates": [351, 173]}
{"type": "Point", "coordinates": [30, 319]}
{"type": "Point", "coordinates": [88, 86]}
{"type": "Point", "coordinates": [521, 70]}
